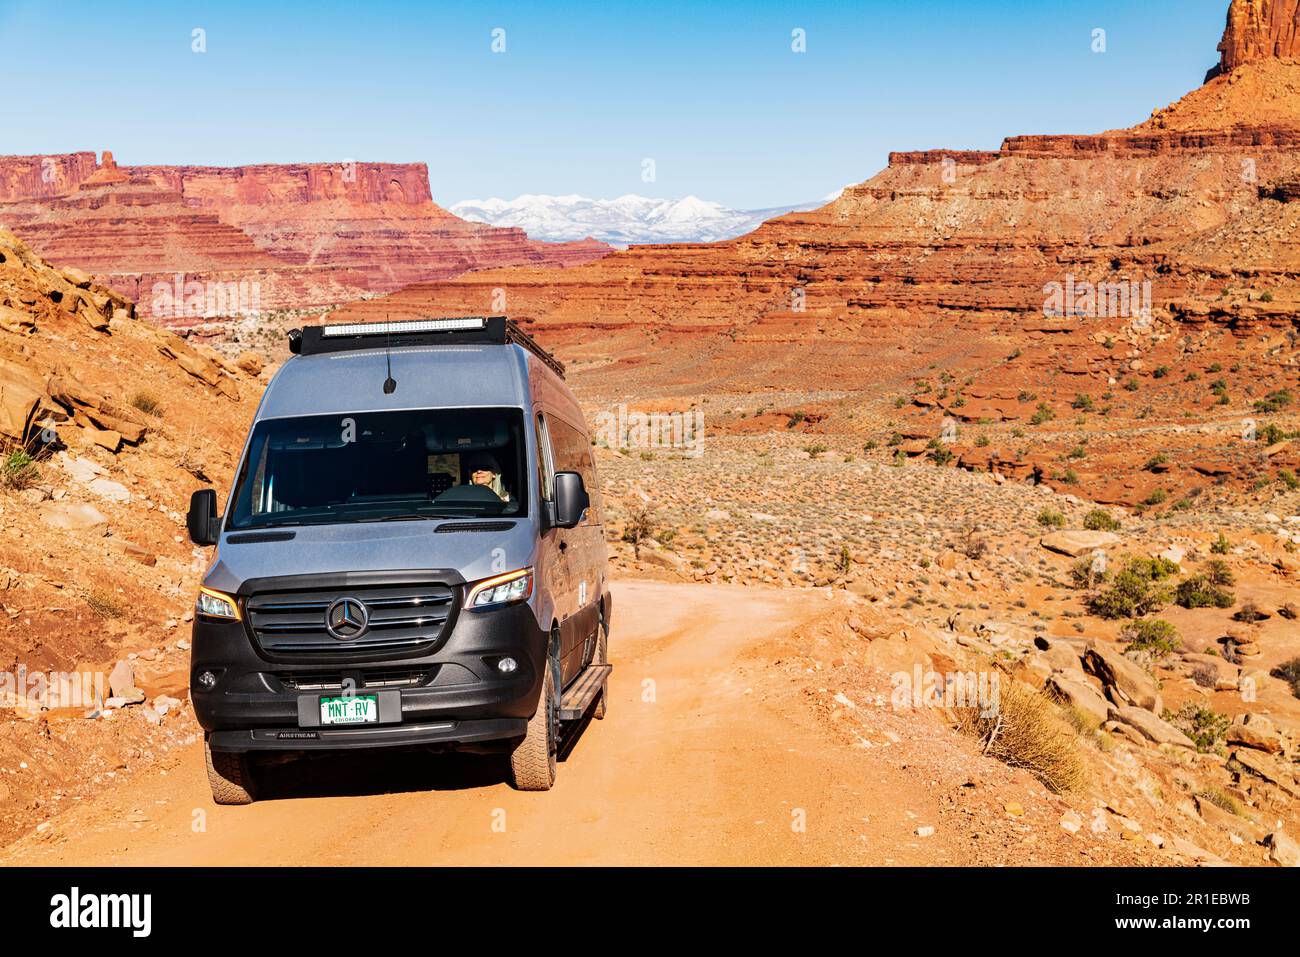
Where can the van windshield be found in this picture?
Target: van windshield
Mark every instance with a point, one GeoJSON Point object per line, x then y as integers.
{"type": "Point", "coordinates": [382, 466]}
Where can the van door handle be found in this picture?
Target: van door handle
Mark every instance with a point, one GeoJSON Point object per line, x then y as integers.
{"type": "Point", "coordinates": [563, 545]}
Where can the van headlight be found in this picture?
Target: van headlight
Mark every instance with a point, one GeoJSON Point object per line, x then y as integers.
{"type": "Point", "coordinates": [501, 590]}
{"type": "Point", "coordinates": [214, 604]}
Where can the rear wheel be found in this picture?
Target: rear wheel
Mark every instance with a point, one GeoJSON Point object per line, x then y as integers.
{"type": "Point", "coordinates": [532, 763]}
{"type": "Point", "coordinates": [229, 775]}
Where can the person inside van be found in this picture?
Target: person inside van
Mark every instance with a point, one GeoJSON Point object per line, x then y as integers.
{"type": "Point", "coordinates": [483, 469]}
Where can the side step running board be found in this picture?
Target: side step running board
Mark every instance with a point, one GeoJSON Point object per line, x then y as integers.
{"type": "Point", "coordinates": [583, 691]}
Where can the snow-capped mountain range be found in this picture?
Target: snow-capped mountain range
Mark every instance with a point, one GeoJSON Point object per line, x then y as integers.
{"type": "Point", "coordinates": [623, 221]}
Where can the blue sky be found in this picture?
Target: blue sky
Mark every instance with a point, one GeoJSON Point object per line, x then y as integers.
{"type": "Point", "coordinates": [584, 92]}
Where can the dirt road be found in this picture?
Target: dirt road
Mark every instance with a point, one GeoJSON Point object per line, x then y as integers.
{"type": "Point", "coordinates": [690, 767]}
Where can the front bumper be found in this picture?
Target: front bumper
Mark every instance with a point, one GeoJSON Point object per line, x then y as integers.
{"type": "Point", "coordinates": [488, 735]}
{"type": "Point", "coordinates": [451, 695]}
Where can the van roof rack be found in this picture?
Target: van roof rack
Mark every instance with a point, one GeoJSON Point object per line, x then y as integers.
{"type": "Point", "coordinates": [462, 330]}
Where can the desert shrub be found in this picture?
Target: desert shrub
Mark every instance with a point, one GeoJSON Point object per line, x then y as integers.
{"type": "Point", "coordinates": [1218, 572]}
{"type": "Point", "coordinates": [1274, 401]}
{"type": "Point", "coordinates": [1206, 676]}
{"type": "Point", "coordinates": [1028, 731]}
{"type": "Point", "coordinates": [639, 527]}
{"type": "Point", "coordinates": [1082, 402]}
{"type": "Point", "coordinates": [1051, 518]}
{"type": "Point", "coordinates": [1288, 478]}
{"type": "Point", "coordinates": [18, 470]}
{"type": "Point", "coordinates": [1136, 590]}
{"type": "Point", "coordinates": [1155, 636]}
{"type": "Point", "coordinates": [1100, 520]}
{"type": "Point", "coordinates": [1221, 800]}
{"type": "Point", "coordinates": [1205, 726]}
{"type": "Point", "coordinates": [105, 604]}
{"type": "Point", "coordinates": [1156, 461]}
{"type": "Point", "coordinates": [941, 456]}
{"type": "Point", "coordinates": [1156, 497]}
{"type": "Point", "coordinates": [147, 402]}
{"type": "Point", "coordinates": [974, 543]}
{"type": "Point", "coordinates": [1084, 573]}
{"type": "Point", "coordinates": [1221, 545]}
{"type": "Point", "coordinates": [1199, 592]}
{"type": "Point", "coordinates": [1250, 613]}
{"type": "Point", "coordinates": [1043, 414]}
{"type": "Point", "coordinates": [1289, 671]}
{"type": "Point", "coordinates": [1271, 434]}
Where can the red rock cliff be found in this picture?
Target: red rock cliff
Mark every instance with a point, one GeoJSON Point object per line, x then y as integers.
{"type": "Point", "coordinates": [1258, 30]}
{"type": "Point", "coordinates": [309, 234]}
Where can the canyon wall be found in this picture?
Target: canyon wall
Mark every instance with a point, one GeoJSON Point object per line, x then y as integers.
{"type": "Point", "coordinates": [1259, 30]}
{"type": "Point", "coordinates": [301, 235]}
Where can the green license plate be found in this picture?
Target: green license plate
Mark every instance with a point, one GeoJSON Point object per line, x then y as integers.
{"type": "Point", "coordinates": [353, 709]}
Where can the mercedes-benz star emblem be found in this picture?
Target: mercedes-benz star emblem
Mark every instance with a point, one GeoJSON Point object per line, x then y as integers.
{"type": "Point", "coordinates": [347, 618]}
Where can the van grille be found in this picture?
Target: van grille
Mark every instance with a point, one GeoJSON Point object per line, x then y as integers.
{"type": "Point", "coordinates": [333, 680]}
{"type": "Point", "coordinates": [400, 618]}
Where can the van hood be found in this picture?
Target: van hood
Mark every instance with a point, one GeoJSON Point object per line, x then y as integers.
{"type": "Point", "coordinates": [370, 546]}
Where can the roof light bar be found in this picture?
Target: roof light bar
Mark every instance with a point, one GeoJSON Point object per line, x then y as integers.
{"type": "Point", "coordinates": [450, 331]}
{"type": "Point", "coordinates": [404, 326]}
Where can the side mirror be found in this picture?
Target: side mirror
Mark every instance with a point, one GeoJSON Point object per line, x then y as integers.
{"type": "Point", "coordinates": [571, 499]}
{"type": "Point", "coordinates": [203, 521]}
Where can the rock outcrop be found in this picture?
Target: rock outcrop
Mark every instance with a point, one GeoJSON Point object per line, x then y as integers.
{"type": "Point", "coordinates": [294, 236]}
{"type": "Point", "coordinates": [1259, 30]}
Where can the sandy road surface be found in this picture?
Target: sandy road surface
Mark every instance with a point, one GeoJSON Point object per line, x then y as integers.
{"type": "Point", "coordinates": [704, 773]}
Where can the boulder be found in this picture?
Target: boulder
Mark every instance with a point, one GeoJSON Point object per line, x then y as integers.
{"type": "Point", "coordinates": [72, 516]}
{"type": "Point", "coordinates": [1134, 686]}
{"type": "Point", "coordinates": [250, 362]}
{"type": "Point", "coordinates": [1151, 727]}
{"type": "Point", "coordinates": [1282, 849]}
{"type": "Point", "coordinates": [121, 679]}
{"type": "Point", "coordinates": [1060, 653]}
{"type": "Point", "coordinates": [1255, 731]}
{"type": "Point", "coordinates": [16, 321]}
{"type": "Point", "coordinates": [21, 398]}
{"type": "Point", "coordinates": [1211, 813]}
{"type": "Point", "coordinates": [1076, 542]}
{"type": "Point", "coordinates": [1080, 695]}
{"type": "Point", "coordinates": [1264, 766]}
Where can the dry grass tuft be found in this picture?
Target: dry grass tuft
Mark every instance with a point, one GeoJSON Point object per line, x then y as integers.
{"type": "Point", "coordinates": [1027, 731]}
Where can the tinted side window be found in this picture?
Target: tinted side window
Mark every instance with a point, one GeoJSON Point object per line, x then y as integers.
{"type": "Point", "coordinates": [573, 454]}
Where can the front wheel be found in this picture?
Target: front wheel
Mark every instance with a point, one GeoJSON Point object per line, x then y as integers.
{"type": "Point", "coordinates": [229, 775]}
{"type": "Point", "coordinates": [532, 763]}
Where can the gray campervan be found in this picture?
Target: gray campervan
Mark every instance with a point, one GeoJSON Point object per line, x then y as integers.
{"type": "Point", "coordinates": [412, 555]}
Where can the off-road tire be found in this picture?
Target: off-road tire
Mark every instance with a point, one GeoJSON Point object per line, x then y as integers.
{"type": "Point", "coordinates": [600, 657]}
{"type": "Point", "coordinates": [532, 763]}
{"type": "Point", "coordinates": [229, 775]}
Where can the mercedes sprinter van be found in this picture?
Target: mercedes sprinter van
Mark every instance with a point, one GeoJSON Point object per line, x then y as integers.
{"type": "Point", "coordinates": [412, 555]}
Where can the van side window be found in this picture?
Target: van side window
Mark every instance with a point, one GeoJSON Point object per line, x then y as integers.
{"type": "Point", "coordinates": [573, 454]}
{"type": "Point", "coordinates": [545, 462]}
